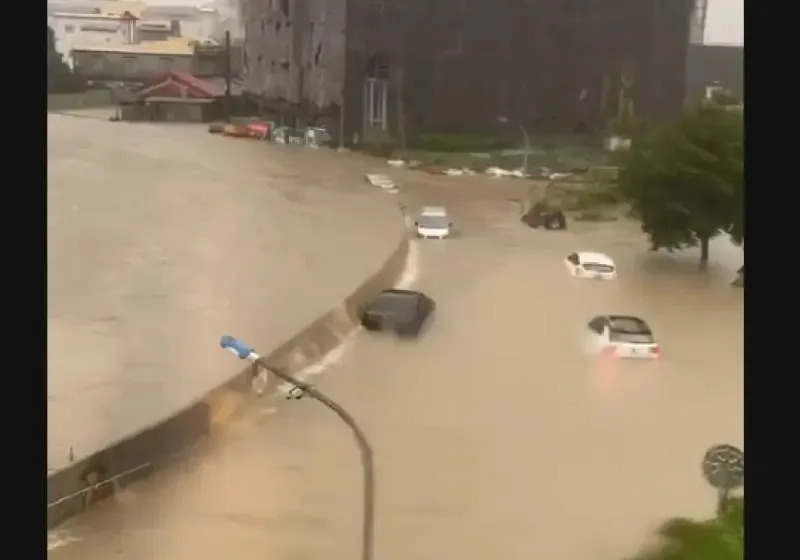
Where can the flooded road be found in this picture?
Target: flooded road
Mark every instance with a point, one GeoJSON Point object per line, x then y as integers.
{"type": "Point", "coordinates": [494, 435]}
{"type": "Point", "coordinates": [162, 237]}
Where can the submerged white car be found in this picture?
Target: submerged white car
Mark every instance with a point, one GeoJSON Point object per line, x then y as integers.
{"type": "Point", "coordinates": [622, 336]}
{"type": "Point", "coordinates": [382, 181]}
{"type": "Point", "coordinates": [591, 265]}
{"type": "Point", "coordinates": [433, 223]}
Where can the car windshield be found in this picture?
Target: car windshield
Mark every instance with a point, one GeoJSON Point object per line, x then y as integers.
{"type": "Point", "coordinates": [433, 222]}
{"type": "Point", "coordinates": [595, 267]}
{"type": "Point", "coordinates": [630, 329]}
{"type": "Point", "coordinates": [397, 304]}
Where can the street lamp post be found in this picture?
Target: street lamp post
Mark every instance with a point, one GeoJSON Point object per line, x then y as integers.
{"type": "Point", "coordinates": [299, 388]}
{"type": "Point", "coordinates": [526, 142]}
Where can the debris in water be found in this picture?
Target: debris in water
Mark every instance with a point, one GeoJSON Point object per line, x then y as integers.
{"type": "Point", "coordinates": [382, 181]}
{"type": "Point", "coordinates": [499, 172]}
{"type": "Point", "coordinates": [453, 172]}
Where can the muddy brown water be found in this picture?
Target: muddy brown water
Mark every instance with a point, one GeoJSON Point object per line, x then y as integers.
{"type": "Point", "coordinates": [495, 436]}
{"type": "Point", "coordinates": [160, 239]}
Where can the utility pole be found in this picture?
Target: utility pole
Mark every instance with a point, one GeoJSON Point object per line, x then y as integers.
{"type": "Point", "coordinates": [227, 76]}
{"type": "Point", "coordinates": [341, 122]}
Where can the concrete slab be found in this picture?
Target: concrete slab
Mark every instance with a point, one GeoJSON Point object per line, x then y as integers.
{"type": "Point", "coordinates": [163, 237]}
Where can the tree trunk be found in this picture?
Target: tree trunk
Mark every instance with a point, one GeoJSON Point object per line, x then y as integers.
{"type": "Point", "coordinates": [704, 241]}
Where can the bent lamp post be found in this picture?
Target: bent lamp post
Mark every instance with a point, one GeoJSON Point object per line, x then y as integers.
{"type": "Point", "coordinates": [300, 388]}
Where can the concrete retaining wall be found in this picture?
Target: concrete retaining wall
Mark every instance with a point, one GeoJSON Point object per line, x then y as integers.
{"type": "Point", "coordinates": [73, 489]}
{"type": "Point", "coordinates": [73, 101]}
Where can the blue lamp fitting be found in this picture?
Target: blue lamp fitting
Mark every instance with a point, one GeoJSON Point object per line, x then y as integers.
{"type": "Point", "coordinates": [236, 346]}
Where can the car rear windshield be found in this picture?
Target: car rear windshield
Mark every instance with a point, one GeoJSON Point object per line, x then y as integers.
{"type": "Point", "coordinates": [433, 222]}
{"type": "Point", "coordinates": [399, 305]}
{"type": "Point", "coordinates": [630, 329]}
{"type": "Point", "coordinates": [633, 338]}
{"type": "Point", "coordinates": [594, 267]}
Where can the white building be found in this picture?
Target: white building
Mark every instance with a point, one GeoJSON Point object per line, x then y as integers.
{"type": "Point", "coordinates": [103, 22]}
{"type": "Point", "coordinates": [95, 29]}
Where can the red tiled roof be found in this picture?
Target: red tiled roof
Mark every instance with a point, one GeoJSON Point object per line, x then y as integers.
{"type": "Point", "coordinates": [200, 87]}
{"type": "Point", "coordinates": [206, 87]}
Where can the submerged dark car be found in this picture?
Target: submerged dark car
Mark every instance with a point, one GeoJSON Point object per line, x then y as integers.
{"type": "Point", "coordinates": [403, 311]}
{"type": "Point", "coordinates": [543, 215]}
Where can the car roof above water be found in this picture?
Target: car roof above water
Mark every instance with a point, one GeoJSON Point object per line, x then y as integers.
{"type": "Point", "coordinates": [400, 292]}
{"type": "Point", "coordinates": [597, 258]}
{"type": "Point", "coordinates": [395, 301]}
{"type": "Point", "coordinates": [433, 211]}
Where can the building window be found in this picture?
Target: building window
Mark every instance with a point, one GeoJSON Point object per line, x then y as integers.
{"type": "Point", "coordinates": [69, 28]}
{"type": "Point", "coordinates": [375, 101]}
{"type": "Point", "coordinates": [376, 89]}
{"type": "Point", "coordinates": [130, 64]}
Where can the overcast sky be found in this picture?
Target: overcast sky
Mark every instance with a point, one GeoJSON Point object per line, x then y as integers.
{"type": "Point", "coordinates": [725, 22]}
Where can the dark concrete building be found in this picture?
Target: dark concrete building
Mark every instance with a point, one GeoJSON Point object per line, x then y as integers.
{"type": "Point", "coordinates": [710, 65]}
{"type": "Point", "coordinates": [404, 66]}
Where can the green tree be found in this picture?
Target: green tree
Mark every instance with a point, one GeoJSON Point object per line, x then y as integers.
{"type": "Point", "coordinates": [685, 180]}
{"type": "Point", "coordinates": [60, 79]}
{"type": "Point", "coordinates": [721, 538]}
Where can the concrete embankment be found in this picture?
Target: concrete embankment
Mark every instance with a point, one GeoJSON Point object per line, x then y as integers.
{"type": "Point", "coordinates": [160, 239]}
{"type": "Point", "coordinates": [73, 489]}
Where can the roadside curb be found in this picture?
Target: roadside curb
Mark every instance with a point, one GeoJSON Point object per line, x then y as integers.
{"type": "Point", "coordinates": [73, 489]}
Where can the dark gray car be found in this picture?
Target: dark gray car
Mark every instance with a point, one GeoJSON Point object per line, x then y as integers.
{"type": "Point", "coordinates": [403, 311]}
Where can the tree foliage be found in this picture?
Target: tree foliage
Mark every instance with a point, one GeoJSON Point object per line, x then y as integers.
{"type": "Point", "coordinates": [686, 180]}
{"type": "Point", "coordinates": [60, 79]}
{"type": "Point", "coordinates": [721, 538]}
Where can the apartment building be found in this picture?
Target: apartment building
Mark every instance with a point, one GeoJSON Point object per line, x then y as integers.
{"type": "Point", "coordinates": [379, 66]}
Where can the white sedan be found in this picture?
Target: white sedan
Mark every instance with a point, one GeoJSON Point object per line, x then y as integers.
{"type": "Point", "coordinates": [622, 336]}
{"type": "Point", "coordinates": [591, 265]}
{"type": "Point", "coordinates": [433, 223]}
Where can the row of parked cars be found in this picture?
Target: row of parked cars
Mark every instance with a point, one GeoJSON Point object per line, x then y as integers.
{"type": "Point", "coordinates": [406, 311]}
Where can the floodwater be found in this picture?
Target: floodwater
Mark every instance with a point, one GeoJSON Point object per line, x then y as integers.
{"type": "Point", "coordinates": [162, 238]}
{"type": "Point", "coordinates": [494, 435]}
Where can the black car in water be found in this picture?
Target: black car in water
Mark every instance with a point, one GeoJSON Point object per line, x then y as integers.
{"type": "Point", "coordinates": [543, 215]}
{"type": "Point", "coordinates": [403, 311]}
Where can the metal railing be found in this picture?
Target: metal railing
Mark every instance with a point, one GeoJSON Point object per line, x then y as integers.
{"type": "Point", "coordinates": [88, 491]}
